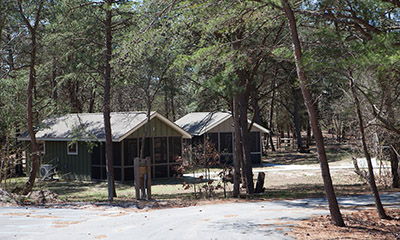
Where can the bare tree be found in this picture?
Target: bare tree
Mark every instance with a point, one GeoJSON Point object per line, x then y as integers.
{"type": "Point", "coordinates": [371, 176]}
{"type": "Point", "coordinates": [389, 125]}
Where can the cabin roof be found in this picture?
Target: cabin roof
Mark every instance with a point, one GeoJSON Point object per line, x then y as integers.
{"type": "Point", "coordinates": [90, 126]}
{"type": "Point", "coordinates": [198, 123]}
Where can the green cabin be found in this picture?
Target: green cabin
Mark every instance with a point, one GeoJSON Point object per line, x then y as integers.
{"type": "Point", "coordinates": [74, 144]}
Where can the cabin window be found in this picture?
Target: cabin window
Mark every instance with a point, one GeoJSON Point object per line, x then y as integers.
{"type": "Point", "coordinates": [255, 142]}
{"type": "Point", "coordinates": [213, 139]}
{"type": "Point", "coordinates": [175, 149]}
{"type": "Point", "coordinates": [226, 143]}
{"type": "Point", "coordinates": [116, 154]}
{"type": "Point", "coordinates": [148, 147]}
{"type": "Point", "coordinates": [131, 151]}
{"type": "Point", "coordinates": [160, 150]}
{"type": "Point", "coordinates": [72, 148]}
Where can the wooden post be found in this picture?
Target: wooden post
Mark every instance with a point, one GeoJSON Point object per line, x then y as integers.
{"type": "Point", "coordinates": [142, 178]}
{"type": "Point", "coordinates": [137, 178]}
{"type": "Point", "coordinates": [148, 166]}
{"type": "Point", "coordinates": [260, 183]}
{"type": "Point", "coordinates": [278, 142]}
{"type": "Point", "coordinates": [122, 161]}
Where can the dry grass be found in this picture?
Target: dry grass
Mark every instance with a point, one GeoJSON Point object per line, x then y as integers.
{"type": "Point", "coordinates": [279, 184]}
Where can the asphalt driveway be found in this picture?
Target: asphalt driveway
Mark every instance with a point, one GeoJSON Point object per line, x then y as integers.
{"type": "Point", "coordinates": [250, 220]}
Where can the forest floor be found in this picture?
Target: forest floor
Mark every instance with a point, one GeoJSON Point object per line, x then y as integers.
{"type": "Point", "coordinates": [298, 174]}
{"type": "Point", "coordinates": [362, 223]}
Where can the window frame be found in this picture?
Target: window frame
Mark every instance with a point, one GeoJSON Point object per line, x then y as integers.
{"type": "Point", "coordinates": [72, 152]}
{"type": "Point", "coordinates": [223, 136]}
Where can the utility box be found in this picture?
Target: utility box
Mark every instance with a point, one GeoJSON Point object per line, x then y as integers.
{"type": "Point", "coordinates": [142, 178]}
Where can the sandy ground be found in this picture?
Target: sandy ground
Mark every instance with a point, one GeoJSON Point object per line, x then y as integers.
{"type": "Point", "coordinates": [306, 178]}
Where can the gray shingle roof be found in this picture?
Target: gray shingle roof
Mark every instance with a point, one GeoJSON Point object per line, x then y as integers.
{"type": "Point", "coordinates": [90, 126]}
{"type": "Point", "coordinates": [198, 123]}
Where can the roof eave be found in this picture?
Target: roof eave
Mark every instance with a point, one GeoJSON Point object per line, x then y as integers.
{"type": "Point", "coordinates": [163, 119]}
{"type": "Point", "coordinates": [263, 129]}
{"type": "Point", "coordinates": [67, 139]}
{"type": "Point", "coordinates": [206, 129]}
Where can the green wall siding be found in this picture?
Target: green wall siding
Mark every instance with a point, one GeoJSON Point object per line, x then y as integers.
{"type": "Point", "coordinates": [157, 128]}
{"type": "Point", "coordinates": [79, 166]}
{"type": "Point", "coordinates": [69, 166]}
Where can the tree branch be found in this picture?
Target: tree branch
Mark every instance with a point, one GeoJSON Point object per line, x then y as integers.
{"type": "Point", "coordinates": [376, 114]}
{"type": "Point", "coordinates": [356, 21]}
{"type": "Point", "coordinates": [396, 3]}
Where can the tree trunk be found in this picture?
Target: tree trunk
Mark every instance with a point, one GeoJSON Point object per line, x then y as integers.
{"type": "Point", "coordinates": [296, 119]}
{"type": "Point", "coordinates": [10, 51]}
{"type": "Point", "coordinates": [256, 108]}
{"type": "Point", "coordinates": [248, 169]}
{"type": "Point", "coordinates": [30, 92]}
{"type": "Point", "coordinates": [146, 130]}
{"type": "Point", "coordinates": [73, 88]}
{"type": "Point", "coordinates": [394, 163]}
{"type": "Point", "coordinates": [106, 107]}
{"type": "Point", "coordinates": [271, 115]}
{"type": "Point", "coordinates": [371, 176]}
{"type": "Point", "coordinates": [92, 101]}
{"type": "Point", "coordinates": [238, 154]}
{"type": "Point", "coordinates": [336, 216]}
{"type": "Point", "coordinates": [270, 139]}
{"type": "Point", "coordinates": [166, 103]}
{"type": "Point", "coordinates": [54, 95]}
{"type": "Point", "coordinates": [34, 147]}
{"type": "Point", "coordinates": [308, 134]}
{"type": "Point", "coordinates": [3, 17]}
{"type": "Point", "coordinates": [173, 106]}
{"type": "Point", "coordinates": [5, 161]}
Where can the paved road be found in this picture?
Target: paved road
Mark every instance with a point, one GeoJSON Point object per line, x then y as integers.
{"type": "Point", "coordinates": [252, 220]}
